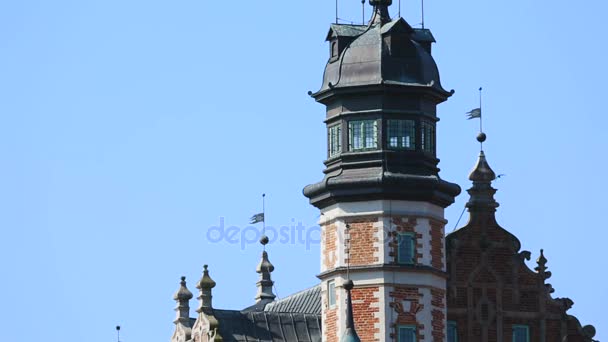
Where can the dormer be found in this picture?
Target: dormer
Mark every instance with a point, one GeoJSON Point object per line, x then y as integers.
{"type": "Point", "coordinates": [339, 36]}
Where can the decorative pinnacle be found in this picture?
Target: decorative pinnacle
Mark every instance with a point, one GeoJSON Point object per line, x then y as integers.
{"type": "Point", "coordinates": [206, 282]}
{"type": "Point", "coordinates": [542, 265]}
{"type": "Point", "coordinates": [264, 240]}
{"type": "Point", "coordinates": [183, 294]}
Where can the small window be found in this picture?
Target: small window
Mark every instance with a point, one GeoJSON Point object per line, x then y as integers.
{"type": "Point", "coordinates": [362, 135]}
{"type": "Point", "coordinates": [452, 332]}
{"type": "Point", "coordinates": [427, 137]}
{"type": "Point", "coordinates": [405, 248]}
{"type": "Point", "coordinates": [331, 293]}
{"type": "Point", "coordinates": [401, 134]}
{"type": "Point", "coordinates": [521, 333]}
{"type": "Point", "coordinates": [334, 136]}
{"type": "Point", "coordinates": [407, 333]}
{"type": "Point", "coordinates": [334, 49]}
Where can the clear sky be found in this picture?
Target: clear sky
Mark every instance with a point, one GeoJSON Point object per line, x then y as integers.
{"type": "Point", "coordinates": [129, 128]}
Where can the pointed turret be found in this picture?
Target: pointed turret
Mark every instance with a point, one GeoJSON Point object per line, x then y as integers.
{"type": "Point", "coordinates": [482, 193]}
{"type": "Point", "coordinates": [350, 334]}
{"type": "Point", "coordinates": [182, 321]}
{"type": "Point", "coordinates": [265, 283]}
{"type": "Point", "coordinates": [205, 285]}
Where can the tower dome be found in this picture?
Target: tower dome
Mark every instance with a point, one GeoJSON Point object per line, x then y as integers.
{"type": "Point", "coordinates": [391, 53]}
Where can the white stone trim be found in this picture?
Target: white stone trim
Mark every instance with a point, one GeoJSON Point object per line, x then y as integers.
{"type": "Point", "coordinates": [381, 208]}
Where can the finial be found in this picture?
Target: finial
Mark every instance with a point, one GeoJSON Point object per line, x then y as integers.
{"type": "Point", "coordinates": [381, 15]}
{"type": "Point", "coordinates": [265, 283]}
{"type": "Point", "coordinates": [264, 240]}
{"type": "Point", "coordinates": [205, 285]}
{"type": "Point", "coordinates": [542, 265]}
{"type": "Point", "coordinates": [206, 282]}
{"type": "Point", "coordinates": [118, 333]}
{"type": "Point", "coordinates": [183, 294]}
{"type": "Point", "coordinates": [482, 172]}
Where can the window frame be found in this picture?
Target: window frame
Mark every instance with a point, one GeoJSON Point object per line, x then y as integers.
{"type": "Point", "coordinates": [410, 327]}
{"type": "Point", "coordinates": [412, 248]}
{"type": "Point", "coordinates": [452, 325]}
{"type": "Point", "coordinates": [364, 136]}
{"type": "Point", "coordinates": [331, 139]}
{"type": "Point", "coordinates": [521, 326]}
{"type": "Point", "coordinates": [331, 294]}
{"type": "Point", "coordinates": [427, 137]}
{"type": "Point", "coordinates": [404, 128]}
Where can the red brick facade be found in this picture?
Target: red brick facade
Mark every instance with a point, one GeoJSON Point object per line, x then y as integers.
{"type": "Point", "coordinates": [365, 309]}
{"type": "Point", "coordinates": [490, 288]}
{"type": "Point", "coordinates": [329, 239]}
{"type": "Point", "coordinates": [363, 239]}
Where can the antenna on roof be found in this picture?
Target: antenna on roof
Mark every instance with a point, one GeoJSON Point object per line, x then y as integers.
{"type": "Point", "coordinates": [336, 11]}
{"type": "Point", "coordinates": [363, 9]}
{"type": "Point", "coordinates": [118, 333]}
{"type": "Point", "coordinates": [399, 8]}
{"type": "Point", "coordinates": [422, 13]}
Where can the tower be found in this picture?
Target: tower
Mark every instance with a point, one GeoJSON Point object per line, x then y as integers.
{"type": "Point", "coordinates": [381, 194]}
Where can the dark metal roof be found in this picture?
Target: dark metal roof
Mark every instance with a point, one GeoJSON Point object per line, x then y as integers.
{"type": "Point", "coordinates": [391, 52]}
{"type": "Point", "coordinates": [345, 30]}
{"type": "Point", "coordinates": [268, 326]}
{"type": "Point", "coordinates": [307, 302]}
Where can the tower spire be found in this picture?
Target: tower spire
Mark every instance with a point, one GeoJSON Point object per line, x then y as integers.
{"type": "Point", "coordinates": [482, 192]}
{"type": "Point", "coordinates": [182, 321]}
{"type": "Point", "coordinates": [205, 285]}
{"type": "Point", "coordinates": [350, 334]}
{"type": "Point", "coordinates": [381, 15]}
{"type": "Point", "coordinates": [265, 283]}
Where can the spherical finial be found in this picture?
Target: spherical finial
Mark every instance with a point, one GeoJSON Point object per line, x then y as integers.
{"type": "Point", "coordinates": [349, 285]}
{"type": "Point", "coordinates": [264, 240]}
{"type": "Point", "coordinates": [205, 267]}
{"type": "Point", "coordinates": [481, 137]}
{"type": "Point", "coordinates": [183, 278]}
{"type": "Point", "coordinates": [118, 328]}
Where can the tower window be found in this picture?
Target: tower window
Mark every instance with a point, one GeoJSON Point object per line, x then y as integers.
{"type": "Point", "coordinates": [407, 333]}
{"type": "Point", "coordinates": [452, 331]}
{"type": "Point", "coordinates": [427, 135]}
{"type": "Point", "coordinates": [334, 49]}
{"type": "Point", "coordinates": [362, 135]}
{"type": "Point", "coordinates": [334, 136]}
{"type": "Point", "coordinates": [405, 248]}
{"type": "Point", "coordinates": [331, 293]}
{"type": "Point", "coordinates": [521, 333]}
{"type": "Point", "coordinates": [401, 134]}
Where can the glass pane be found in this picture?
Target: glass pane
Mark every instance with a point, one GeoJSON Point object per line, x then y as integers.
{"type": "Point", "coordinates": [407, 334]}
{"type": "Point", "coordinates": [331, 293]}
{"type": "Point", "coordinates": [520, 334]}
{"type": "Point", "coordinates": [400, 134]}
{"type": "Point", "coordinates": [405, 251]}
{"type": "Point", "coordinates": [362, 135]}
{"type": "Point", "coordinates": [452, 332]}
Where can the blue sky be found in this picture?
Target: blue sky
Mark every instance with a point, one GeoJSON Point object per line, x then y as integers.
{"type": "Point", "coordinates": [129, 128]}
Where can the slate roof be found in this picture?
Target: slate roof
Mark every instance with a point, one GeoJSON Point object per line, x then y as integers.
{"type": "Point", "coordinates": [268, 326]}
{"type": "Point", "coordinates": [307, 302]}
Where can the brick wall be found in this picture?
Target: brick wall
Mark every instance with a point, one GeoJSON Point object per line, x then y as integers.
{"type": "Point", "coordinates": [437, 245]}
{"type": "Point", "coordinates": [365, 312]}
{"type": "Point", "coordinates": [328, 246]}
{"type": "Point", "coordinates": [406, 302]}
{"type": "Point", "coordinates": [438, 313]}
{"type": "Point", "coordinates": [363, 239]}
